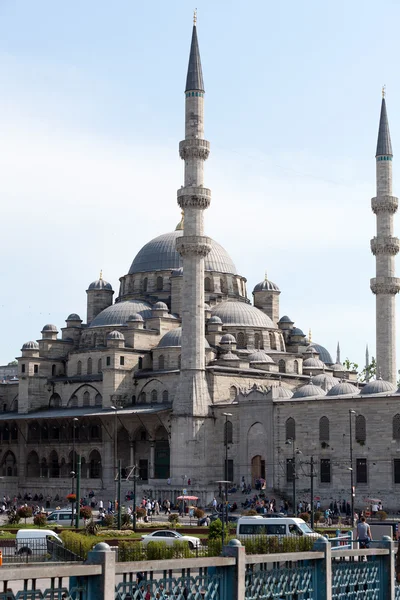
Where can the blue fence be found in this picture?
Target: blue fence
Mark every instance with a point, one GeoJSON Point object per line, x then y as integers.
{"type": "Point", "coordinates": [344, 574]}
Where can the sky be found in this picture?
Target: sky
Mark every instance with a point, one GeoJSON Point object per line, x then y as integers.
{"type": "Point", "coordinates": [91, 115]}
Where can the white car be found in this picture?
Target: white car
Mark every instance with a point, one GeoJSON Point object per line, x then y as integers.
{"type": "Point", "coordinates": [169, 537]}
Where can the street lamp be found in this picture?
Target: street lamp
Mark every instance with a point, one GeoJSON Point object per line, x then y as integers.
{"type": "Point", "coordinates": [73, 472]}
{"type": "Point", "coordinates": [290, 441]}
{"type": "Point", "coordinates": [351, 412]}
{"type": "Point", "coordinates": [225, 514]}
{"type": "Point", "coordinates": [116, 479]}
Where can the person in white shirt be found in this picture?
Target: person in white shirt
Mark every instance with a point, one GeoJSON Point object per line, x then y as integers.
{"type": "Point", "coordinates": [375, 509]}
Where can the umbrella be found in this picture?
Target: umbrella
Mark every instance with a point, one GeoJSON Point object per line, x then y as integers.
{"type": "Point", "coordinates": [187, 498]}
{"type": "Point", "coordinates": [374, 500]}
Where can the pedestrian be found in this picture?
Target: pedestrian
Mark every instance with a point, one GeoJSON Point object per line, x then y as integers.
{"type": "Point", "coordinates": [375, 509]}
{"type": "Point", "coordinates": [363, 533]}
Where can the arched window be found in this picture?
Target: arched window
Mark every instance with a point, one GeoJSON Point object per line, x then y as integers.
{"type": "Point", "coordinates": [290, 429]}
{"type": "Point", "coordinates": [232, 392]}
{"type": "Point", "coordinates": [396, 427]}
{"type": "Point", "coordinates": [282, 366]}
{"type": "Point", "coordinates": [296, 366]}
{"type": "Point", "coordinates": [241, 340]}
{"type": "Point", "coordinates": [94, 340]}
{"type": "Point", "coordinates": [324, 429]}
{"type": "Point", "coordinates": [165, 396]}
{"type": "Point", "coordinates": [33, 432]}
{"type": "Point", "coordinates": [9, 465]}
{"type": "Point", "coordinates": [54, 467]}
{"type": "Point", "coordinates": [161, 362]}
{"type": "Point", "coordinates": [154, 396]}
{"type": "Point", "coordinates": [95, 432]}
{"type": "Point", "coordinates": [140, 363]}
{"type": "Point", "coordinates": [222, 285]}
{"type": "Point", "coordinates": [272, 341]}
{"type": "Point", "coordinates": [361, 429]}
{"type": "Point", "coordinates": [98, 401]}
{"type": "Point", "coordinates": [257, 340]}
{"type": "Point", "coordinates": [74, 401]}
{"type": "Point", "coordinates": [207, 284]}
{"type": "Point", "coordinates": [55, 401]}
{"type": "Point", "coordinates": [145, 281]}
{"type": "Point", "coordinates": [160, 283]}
{"type": "Point", "coordinates": [89, 366]}
{"type": "Point", "coordinates": [53, 370]}
{"type": "Point", "coordinates": [86, 399]}
{"type": "Point", "coordinates": [94, 465]}
{"type": "Point", "coordinates": [6, 433]}
{"type": "Point", "coordinates": [228, 433]}
{"type": "Point", "coordinates": [179, 361]}
{"type": "Point", "coordinates": [79, 368]}
{"type": "Point", "coordinates": [32, 464]}
{"type": "Point", "coordinates": [99, 365]}
{"type": "Point", "coordinates": [143, 397]}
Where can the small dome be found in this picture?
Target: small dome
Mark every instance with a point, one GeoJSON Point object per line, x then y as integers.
{"type": "Point", "coordinates": [280, 391]}
{"type": "Point", "coordinates": [174, 338]}
{"type": "Point", "coordinates": [266, 286]}
{"type": "Point", "coordinates": [50, 327]}
{"type": "Point", "coordinates": [309, 391]}
{"type": "Point", "coordinates": [338, 367]}
{"type": "Point", "coordinates": [297, 331]}
{"type": "Point", "coordinates": [378, 386]}
{"type": "Point", "coordinates": [311, 350]}
{"type": "Point", "coordinates": [214, 320]}
{"type": "Point", "coordinates": [118, 314]}
{"type": "Point", "coordinates": [177, 272]}
{"type": "Point", "coordinates": [313, 362]}
{"type": "Point", "coordinates": [229, 356]}
{"type": "Point", "coordinates": [242, 315]}
{"type": "Point", "coordinates": [227, 338]}
{"type": "Point", "coordinates": [260, 357]}
{"type": "Point", "coordinates": [100, 284]}
{"type": "Point", "coordinates": [325, 381]}
{"type": "Point", "coordinates": [324, 355]}
{"type": "Point", "coordinates": [115, 335]}
{"type": "Point", "coordinates": [285, 319]}
{"type": "Point", "coordinates": [73, 317]}
{"type": "Point", "coordinates": [135, 318]}
{"type": "Point", "coordinates": [160, 306]}
{"type": "Point", "coordinates": [30, 346]}
{"type": "Point", "coordinates": [343, 389]}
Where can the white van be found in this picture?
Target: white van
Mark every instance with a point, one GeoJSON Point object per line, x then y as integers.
{"type": "Point", "coordinates": [34, 541]}
{"type": "Point", "coordinates": [285, 526]}
{"type": "Point", "coordinates": [62, 517]}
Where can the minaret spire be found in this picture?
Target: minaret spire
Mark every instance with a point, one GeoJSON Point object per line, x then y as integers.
{"type": "Point", "coordinates": [366, 363]}
{"type": "Point", "coordinates": [338, 354]}
{"type": "Point", "coordinates": [385, 247]}
{"type": "Point", "coordinates": [194, 78]}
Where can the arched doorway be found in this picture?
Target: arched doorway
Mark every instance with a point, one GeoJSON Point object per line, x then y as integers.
{"type": "Point", "coordinates": [257, 469]}
{"type": "Point", "coordinates": [256, 446]}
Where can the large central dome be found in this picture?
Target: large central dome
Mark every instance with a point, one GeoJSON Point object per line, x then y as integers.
{"type": "Point", "coordinates": [160, 255]}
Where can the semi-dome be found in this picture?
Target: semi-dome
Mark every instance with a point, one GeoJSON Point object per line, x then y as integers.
{"type": "Point", "coordinates": [325, 381]}
{"type": "Point", "coordinates": [266, 286]}
{"type": "Point", "coordinates": [313, 362]}
{"type": "Point", "coordinates": [309, 391]}
{"type": "Point", "coordinates": [50, 327]}
{"type": "Point", "coordinates": [214, 321]}
{"type": "Point", "coordinates": [378, 386]}
{"type": "Point", "coordinates": [324, 355]}
{"type": "Point", "coordinates": [227, 338]}
{"type": "Point", "coordinates": [260, 357]}
{"type": "Point", "coordinates": [73, 317]}
{"type": "Point", "coordinates": [115, 335]}
{"type": "Point", "coordinates": [118, 313]}
{"type": "Point", "coordinates": [100, 284]}
{"type": "Point", "coordinates": [135, 318]}
{"type": "Point", "coordinates": [174, 338]}
{"type": "Point", "coordinates": [242, 315]}
{"type": "Point", "coordinates": [343, 388]}
{"type": "Point", "coordinates": [160, 255]}
{"type": "Point", "coordinates": [30, 346]}
{"type": "Point", "coordinates": [160, 306]}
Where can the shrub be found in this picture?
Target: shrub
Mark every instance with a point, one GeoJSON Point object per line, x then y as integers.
{"type": "Point", "coordinates": [140, 513]}
{"type": "Point", "coordinates": [131, 551]}
{"type": "Point", "coordinates": [108, 521]}
{"type": "Point", "coordinates": [25, 512]}
{"type": "Point", "coordinates": [91, 528]}
{"type": "Point", "coordinates": [317, 516]}
{"type": "Point", "coordinates": [78, 543]}
{"type": "Point", "coordinates": [173, 519]}
{"type": "Point", "coordinates": [198, 513]}
{"type": "Point", "coordinates": [85, 512]}
{"type": "Point", "coordinates": [13, 517]}
{"type": "Point", "coordinates": [250, 513]}
{"type": "Point", "coordinates": [305, 516]}
{"type": "Point", "coordinates": [215, 530]}
{"type": "Point", "coordinates": [269, 544]}
{"type": "Point", "coordinates": [126, 519]}
{"type": "Point", "coordinates": [381, 515]}
{"type": "Point", "coordinates": [40, 520]}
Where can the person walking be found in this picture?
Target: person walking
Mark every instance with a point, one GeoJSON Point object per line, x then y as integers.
{"type": "Point", "coordinates": [363, 533]}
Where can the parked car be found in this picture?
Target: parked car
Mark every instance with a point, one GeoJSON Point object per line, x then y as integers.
{"type": "Point", "coordinates": [231, 518]}
{"type": "Point", "coordinates": [169, 537]}
{"type": "Point", "coordinates": [62, 517]}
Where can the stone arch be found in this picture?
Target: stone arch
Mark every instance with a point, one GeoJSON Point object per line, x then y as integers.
{"type": "Point", "coordinates": [14, 404]}
{"type": "Point", "coordinates": [161, 362]}
{"type": "Point", "coordinates": [86, 386]}
{"type": "Point", "coordinates": [145, 284]}
{"type": "Point", "coordinates": [154, 396]}
{"type": "Point", "coordinates": [55, 401]}
{"type": "Point", "coordinates": [272, 340]}
{"type": "Point", "coordinates": [53, 370]}
{"type": "Point", "coordinates": [33, 464]}
{"type": "Point", "coordinates": [207, 284]}
{"type": "Point", "coordinates": [159, 283]}
{"type": "Point", "coordinates": [98, 400]}
{"type": "Point", "coordinates": [282, 366]}
{"type": "Point", "coordinates": [79, 367]}
{"type": "Point", "coordinates": [324, 429]}
{"type": "Point", "coordinates": [54, 465]}
{"type": "Point", "coordinates": [256, 447]}
{"type": "Point", "coordinates": [89, 366]}
{"type": "Point", "coordinates": [296, 367]}
{"type": "Point", "coordinates": [9, 465]}
{"type": "Point", "coordinates": [86, 398]}
{"type": "Point", "coordinates": [95, 466]}
{"type": "Point", "coordinates": [165, 396]}
{"type": "Point", "coordinates": [228, 432]}
{"type": "Point", "coordinates": [99, 366]}
{"type": "Point", "coordinates": [233, 392]}
{"type": "Point", "coordinates": [290, 427]}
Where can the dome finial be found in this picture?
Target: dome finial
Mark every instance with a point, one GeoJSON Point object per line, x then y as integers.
{"type": "Point", "coordinates": [265, 275]}
{"type": "Point", "coordinates": [195, 17]}
{"type": "Point", "coordinates": [383, 90]}
{"type": "Point", "coordinates": [309, 336]}
{"type": "Point", "coordinates": [181, 223]}
{"type": "Point", "coordinates": [101, 274]}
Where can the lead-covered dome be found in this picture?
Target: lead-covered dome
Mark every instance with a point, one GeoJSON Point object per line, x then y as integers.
{"type": "Point", "coordinates": [266, 286]}
{"type": "Point", "coordinates": [30, 346]}
{"type": "Point", "coordinates": [378, 386]}
{"type": "Point", "coordinates": [115, 335]}
{"type": "Point", "coordinates": [242, 315]}
{"type": "Point", "coordinates": [174, 338]}
{"type": "Point", "coordinates": [324, 355]}
{"type": "Point", "coordinates": [343, 389]}
{"type": "Point", "coordinates": [100, 284]}
{"type": "Point", "coordinates": [309, 391]}
{"type": "Point", "coordinates": [260, 357]}
{"type": "Point", "coordinates": [160, 255]}
{"type": "Point", "coordinates": [119, 313]}
{"type": "Point", "coordinates": [50, 327]}
{"type": "Point", "coordinates": [325, 381]}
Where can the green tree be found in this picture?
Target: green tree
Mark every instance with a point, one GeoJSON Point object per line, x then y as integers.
{"type": "Point", "coordinates": [369, 371]}
{"type": "Point", "coordinates": [13, 363]}
{"type": "Point", "coordinates": [350, 366]}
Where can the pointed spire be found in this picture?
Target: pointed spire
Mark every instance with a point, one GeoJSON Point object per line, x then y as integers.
{"type": "Point", "coordinates": [338, 354]}
{"type": "Point", "coordinates": [194, 79]}
{"type": "Point", "coordinates": [101, 275]}
{"type": "Point", "coordinates": [309, 336]}
{"type": "Point", "coordinates": [384, 145]}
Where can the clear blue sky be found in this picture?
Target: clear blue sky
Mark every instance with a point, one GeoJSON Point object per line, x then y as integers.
{"type": "Point", "coordinates": [91, 114]}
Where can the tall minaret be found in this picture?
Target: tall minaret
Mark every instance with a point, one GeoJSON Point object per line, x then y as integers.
{"type": "Point", "coordinates": [385, 247]}
{"type": "Point", "coordinates": [366, 364]}
{"type": "Point", "coordinates": [192, 397]}
{"type": "Point", "coordinates": [338, 354]}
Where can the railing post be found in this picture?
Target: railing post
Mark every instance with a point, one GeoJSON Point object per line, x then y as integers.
{"type": "Point", "coordinates": [388, 570]}
{"type": "Point", "coordinates": [323, 570]}
{"type": "Point", "coordinates": [236, 576]}
{"type": "Point", "coordinates": [102, 587]}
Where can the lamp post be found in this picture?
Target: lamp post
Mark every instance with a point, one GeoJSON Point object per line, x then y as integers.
{"type": "Point", "coordinates": [73, 472]}
{"type": "Point", "coordinates": [352, 490]}
{"type": "Point", "coordinates": [115, 409]}
{"type": "Point", "coordinates": [295, 451]}
{"type": "Point", "coordinates": [225, 514]}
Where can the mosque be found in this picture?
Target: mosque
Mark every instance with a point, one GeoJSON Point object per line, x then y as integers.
{"type": "Point", "coordinates": [187, 381]}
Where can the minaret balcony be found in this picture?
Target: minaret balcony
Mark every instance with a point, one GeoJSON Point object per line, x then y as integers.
{"type": "Point", "coordinates": [194, 148]}
{"type": "Point", "coordinates": [195, 197]}
{"type": "Point", "coordinates": [384, 204]}
{"type": "Point", "coordinates": [385, 285]}
{"type": "Point", "coordinates": [385, 245]}
{"type": "Point", "coordinates": [193, 245]}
